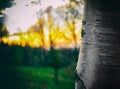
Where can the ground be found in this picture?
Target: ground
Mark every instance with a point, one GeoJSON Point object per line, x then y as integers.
{"type": "Point", "coordinates": [34, 78]}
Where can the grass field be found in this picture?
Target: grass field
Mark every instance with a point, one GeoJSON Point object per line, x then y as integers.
{"type": "Point", "coordinates": [34, 78]}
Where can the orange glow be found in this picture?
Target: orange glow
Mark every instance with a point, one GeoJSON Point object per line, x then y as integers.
{"type": "Point", "coordinates": [46, 23]}
{"type": "Point", "coordinates": [40, 35]}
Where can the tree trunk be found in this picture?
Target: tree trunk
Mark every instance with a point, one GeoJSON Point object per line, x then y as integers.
{"type": "Point", "coordinates": [99, 60]}
{"type": "Point", "coordinates": [56, 75]}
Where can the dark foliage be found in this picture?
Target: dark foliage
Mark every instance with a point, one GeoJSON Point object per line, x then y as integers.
{"type": "Point", "coordinates": [39, 57]}
{"type": "Point", "coordinates": [5, 3]}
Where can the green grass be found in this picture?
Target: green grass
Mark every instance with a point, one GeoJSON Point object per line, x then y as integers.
{"type": "Point", "coordinates": [34, 78]}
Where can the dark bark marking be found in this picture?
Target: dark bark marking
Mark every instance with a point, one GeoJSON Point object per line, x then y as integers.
{"type": "Point", "coordinates": [79, 82]}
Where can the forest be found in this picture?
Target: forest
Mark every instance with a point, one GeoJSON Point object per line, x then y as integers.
{"type": "Point", "coordinates": [44, 54]}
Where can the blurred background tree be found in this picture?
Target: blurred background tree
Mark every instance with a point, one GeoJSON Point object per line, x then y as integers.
{"type": "Point", "coordinates": [4, 4]}
{"type": "Point", "coordinates": [43, 57]}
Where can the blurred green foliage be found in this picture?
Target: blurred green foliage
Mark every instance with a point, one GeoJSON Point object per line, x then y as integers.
{"type": "Point", "coordinates": [5, 3]}
{"type": "Point", "coordinates": [38, 57]}
{"type": "Point", "coordinates": [33, 78]}
{"type": "Point", "coordinates": [36, 68]}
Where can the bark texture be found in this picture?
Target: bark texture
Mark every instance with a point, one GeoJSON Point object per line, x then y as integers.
{"type": "Point", "coordinates": [98, 65]}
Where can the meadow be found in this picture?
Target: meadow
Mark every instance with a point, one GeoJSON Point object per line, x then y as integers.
{"type": "Point", "coordinates": [35, 78]}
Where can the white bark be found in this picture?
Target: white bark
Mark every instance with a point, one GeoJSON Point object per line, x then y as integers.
{"type": "Point", "coordinates": [99, 61]}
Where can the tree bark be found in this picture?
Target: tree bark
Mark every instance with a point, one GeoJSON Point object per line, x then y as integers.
{"type": "Point", "coordinates": [98, 65]}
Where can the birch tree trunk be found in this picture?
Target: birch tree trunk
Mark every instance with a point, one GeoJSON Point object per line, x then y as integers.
{"type": "Point", "coordinates": [98, 65]}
